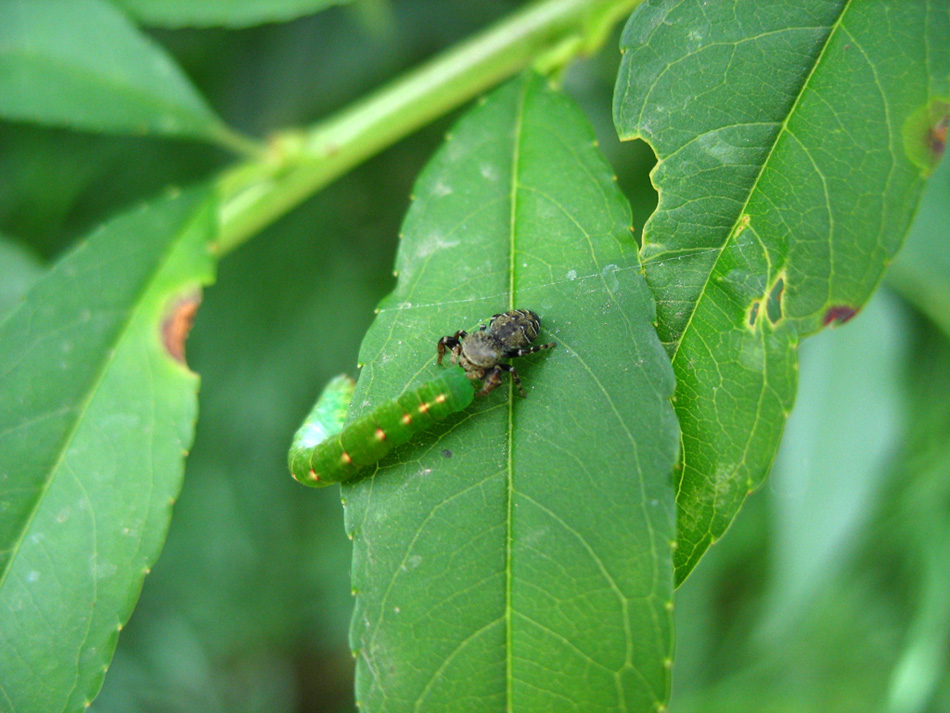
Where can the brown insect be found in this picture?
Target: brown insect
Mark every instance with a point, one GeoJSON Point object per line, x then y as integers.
{"type": "Point", "coordinates": [480, 353]}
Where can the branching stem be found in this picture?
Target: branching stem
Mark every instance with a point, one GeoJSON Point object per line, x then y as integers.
{"type": "Point", "coordinates": [258, 191]}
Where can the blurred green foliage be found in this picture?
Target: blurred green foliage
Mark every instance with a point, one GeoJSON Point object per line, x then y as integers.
{"type": "Point", "coordinates": [249, 605]}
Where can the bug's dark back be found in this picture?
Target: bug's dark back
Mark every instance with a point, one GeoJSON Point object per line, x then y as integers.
{"type": "Point", "coordinates": [515, 329]}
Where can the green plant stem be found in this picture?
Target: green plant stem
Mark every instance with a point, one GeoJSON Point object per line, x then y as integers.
{"type": "Point", "coordinates": [259, 191]}
{"type": "Point", "coordinates": [238, 143]}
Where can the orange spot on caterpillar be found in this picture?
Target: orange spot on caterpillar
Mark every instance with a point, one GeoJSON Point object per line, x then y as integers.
{"type": "Point", "coordinates": [177, 322]}
{"type": "Point", "coordinates": [313, 475]}
{"type": "Point", "coordinates": [406, 419]}
{"type": "Point", "coordinates": [345, 458]}
{"type": "Point", "coordinates": [380, 434]}
{"type": "Point", "coordinates": [440, 399]}
{"type": "Point", "coordinates": [423, 407]}
{"type": "Point", "coordinates": [838, 314]}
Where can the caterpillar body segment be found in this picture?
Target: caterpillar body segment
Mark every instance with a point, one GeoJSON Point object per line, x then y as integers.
{"type": "Point", "coordinates": [343, 454]}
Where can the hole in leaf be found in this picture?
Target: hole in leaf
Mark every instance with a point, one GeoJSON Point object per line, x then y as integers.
{"type": "Point", "coordinates": [753, 313]}
{"type": "Point", "coordinates": [773, 309]}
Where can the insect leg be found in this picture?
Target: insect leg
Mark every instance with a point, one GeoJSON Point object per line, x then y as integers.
{"type": "Point", "coordinates": [491, 380]}
{"type": "Point", "coordinates": [514, 377]}
{"type": "Point", "coordinates": [450, 343]}
{"type": "Point", "coordinates": [529, 350]}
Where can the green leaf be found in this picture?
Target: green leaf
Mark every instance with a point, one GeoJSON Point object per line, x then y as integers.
{"type": "Point", "coordinates": [518, 556]}
{"type": "Point", "coordinates": [80, 63]}
{"type": "Point", "coordinates": [229, 13]}
{"type": "Point", "coordinates": [97, 415]}
{"type": "Point", "coordinates": [793, 139]}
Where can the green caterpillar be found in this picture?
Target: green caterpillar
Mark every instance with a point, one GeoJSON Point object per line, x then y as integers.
{"type": "Point", "coordinates": [323, 452]}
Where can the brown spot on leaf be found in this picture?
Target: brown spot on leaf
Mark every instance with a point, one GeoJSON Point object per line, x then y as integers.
{"type": "Point", "coordinates": [179, 317]}
{"type": "Point", "coordinates": [925, 134]}
{"type": "Point", "coordinates": [938, 137]}
{"type": "Point", "coordinates": [838, 315]}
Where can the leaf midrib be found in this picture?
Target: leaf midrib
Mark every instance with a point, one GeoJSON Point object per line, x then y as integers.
{"type": "Point", "coordinates": [509, 543]}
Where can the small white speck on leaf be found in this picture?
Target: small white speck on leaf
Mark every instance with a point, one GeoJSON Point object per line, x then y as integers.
{"type": "Point", "coordinates": [489, 171]}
